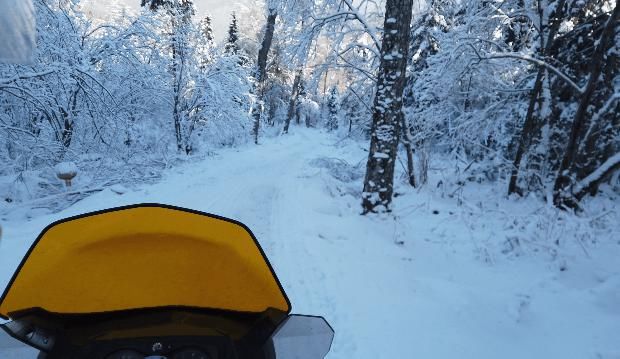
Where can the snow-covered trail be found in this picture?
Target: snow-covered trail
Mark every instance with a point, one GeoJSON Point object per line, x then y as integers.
{"type": "Point", "coordinates": [427, 297]}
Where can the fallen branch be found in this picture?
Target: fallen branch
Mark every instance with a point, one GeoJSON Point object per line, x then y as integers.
{"type": "Point", "coordinates": [597, 177]}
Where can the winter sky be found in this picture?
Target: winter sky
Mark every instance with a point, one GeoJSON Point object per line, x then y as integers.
{"type": "Point", "coordinates": [219, 10]}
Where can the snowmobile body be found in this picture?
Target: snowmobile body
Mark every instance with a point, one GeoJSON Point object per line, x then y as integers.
{"type": "Point", "coordinates": [154, 281]}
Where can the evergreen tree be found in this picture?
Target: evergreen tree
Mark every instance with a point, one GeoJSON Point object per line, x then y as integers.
{"type": "Point", "coordinates": [204, 43]}
{"type": "Point", "coordinates": [206, 29]}
{"type": "Point", "coordinates": [154, 4]}
{"type": "Point", "coordinates": [332, 109]}
{"type": "Point", "coordinates": [232, 48]}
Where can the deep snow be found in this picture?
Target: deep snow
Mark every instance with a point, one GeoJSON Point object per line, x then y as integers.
{"type": "Point", "coordinates": [470, 275]}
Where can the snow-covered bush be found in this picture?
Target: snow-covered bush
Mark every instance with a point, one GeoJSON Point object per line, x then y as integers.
{"type": "Point", "coordinates": [224, 117]}
{"type": "Point", "coordinates": [309, 112]}
{"type": "Point", "coordinates": [120, 101]}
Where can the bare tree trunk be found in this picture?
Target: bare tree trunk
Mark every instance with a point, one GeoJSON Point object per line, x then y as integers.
{"type": "Point", "coordinates": [272, 112]}
{"type": "Point", "coordinates": [176, 114]}
{"type": "Point", "coordinates": [177, 73]}
{"type": "Point", "coordinates": [530, 125]}
{"type": "Point", "coordinates": [526, 132]}
{"type": "Point", "coordinates": [325, 82]}
{"type": "Point", "coordinates": [409, 149]}
{"type": "Point", "coordinates": [293, 100]}
{"type": "Point", "coordinates": [261, 71]}
{"type": "Point", "coordinates": [581, 119]}
{"type": "Point", "coordinates": [68, 117]}
{"type": "Point", "coordinates": [387, 108]}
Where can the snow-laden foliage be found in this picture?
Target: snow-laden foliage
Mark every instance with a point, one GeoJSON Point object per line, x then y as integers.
{"type": "Point", "coordinates": [226, 92]}
{"type": "Point", "coordinates": [506, 88]}
{"type": "Point", "coordinates": [498, 84]}
{"type": "Point", "coordinates": [525, 91]}
{"type": "Point", "coordinates": [118, 99]}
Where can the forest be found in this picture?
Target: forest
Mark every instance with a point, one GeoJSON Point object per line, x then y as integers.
{"type": "Point", "coordinates": [520, 92]}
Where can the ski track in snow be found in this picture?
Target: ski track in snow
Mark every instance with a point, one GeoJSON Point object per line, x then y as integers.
{"type": "Point", "coordinates": [433, 296]}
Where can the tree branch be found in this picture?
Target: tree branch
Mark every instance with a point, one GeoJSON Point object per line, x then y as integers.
{"type": "Point", "coordinates": [580, 90]}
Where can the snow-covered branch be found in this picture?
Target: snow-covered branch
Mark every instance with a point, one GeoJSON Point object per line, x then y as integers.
{"type": "Point", "coordinates": [26, 76]}
{"type": "Point", "coordinates": [600, 174]}
{"type": "Point", "coordinates": [370, 30]}
{"type": "Point", "coordinates": [548, 66]}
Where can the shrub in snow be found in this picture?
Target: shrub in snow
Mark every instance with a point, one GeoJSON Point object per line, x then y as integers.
{"type": "Point", "coordinates": [66, 171]}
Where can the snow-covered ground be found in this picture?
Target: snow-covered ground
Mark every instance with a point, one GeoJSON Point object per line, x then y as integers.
{"type": "Point", "coordinates": [452, 274]}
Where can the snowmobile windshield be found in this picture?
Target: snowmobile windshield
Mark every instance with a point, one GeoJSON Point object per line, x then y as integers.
{"type": "Point", "coordinates": [144, 256]}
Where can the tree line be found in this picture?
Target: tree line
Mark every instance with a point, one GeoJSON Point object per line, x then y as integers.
{"type": "Point", "coordinates": [524, 92]}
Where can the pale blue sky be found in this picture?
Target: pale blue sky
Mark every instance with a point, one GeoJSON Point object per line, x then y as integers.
{"type": "Point", "coordinates": [219, 10]}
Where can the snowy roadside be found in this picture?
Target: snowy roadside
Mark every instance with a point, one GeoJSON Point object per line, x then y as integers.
{"type": "Point", "coordinates": [463, 274]}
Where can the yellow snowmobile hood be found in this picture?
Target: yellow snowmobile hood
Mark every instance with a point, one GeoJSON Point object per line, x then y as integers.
{"type": "Point", "coordinates": [144, 256]}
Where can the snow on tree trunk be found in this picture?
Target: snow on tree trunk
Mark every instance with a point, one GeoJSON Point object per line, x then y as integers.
{"type": "Point", "coordinates": [387, 108]}
{"type": "Point", "coordinates": [178, 68]}
{"type": "Point", "coordinates": [408, 143]}
{"type": "Point", "coordinates": [261, 71]}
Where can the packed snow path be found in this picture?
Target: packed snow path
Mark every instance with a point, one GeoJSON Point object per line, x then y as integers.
{"type": "Point", "coordinates": [418, 285]}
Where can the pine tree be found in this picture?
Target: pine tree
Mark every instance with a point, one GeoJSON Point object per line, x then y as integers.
{"type": "Point", "coordinates": [153, 4]}
{"type": "Point", "coordinates": [332, 109]}
{"type": "Point", "coordinates": [232, 48]}
{"type": "Point", "coordinates": [207, 30]}
{"type": "Point", "coordinates": [205, 44]}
